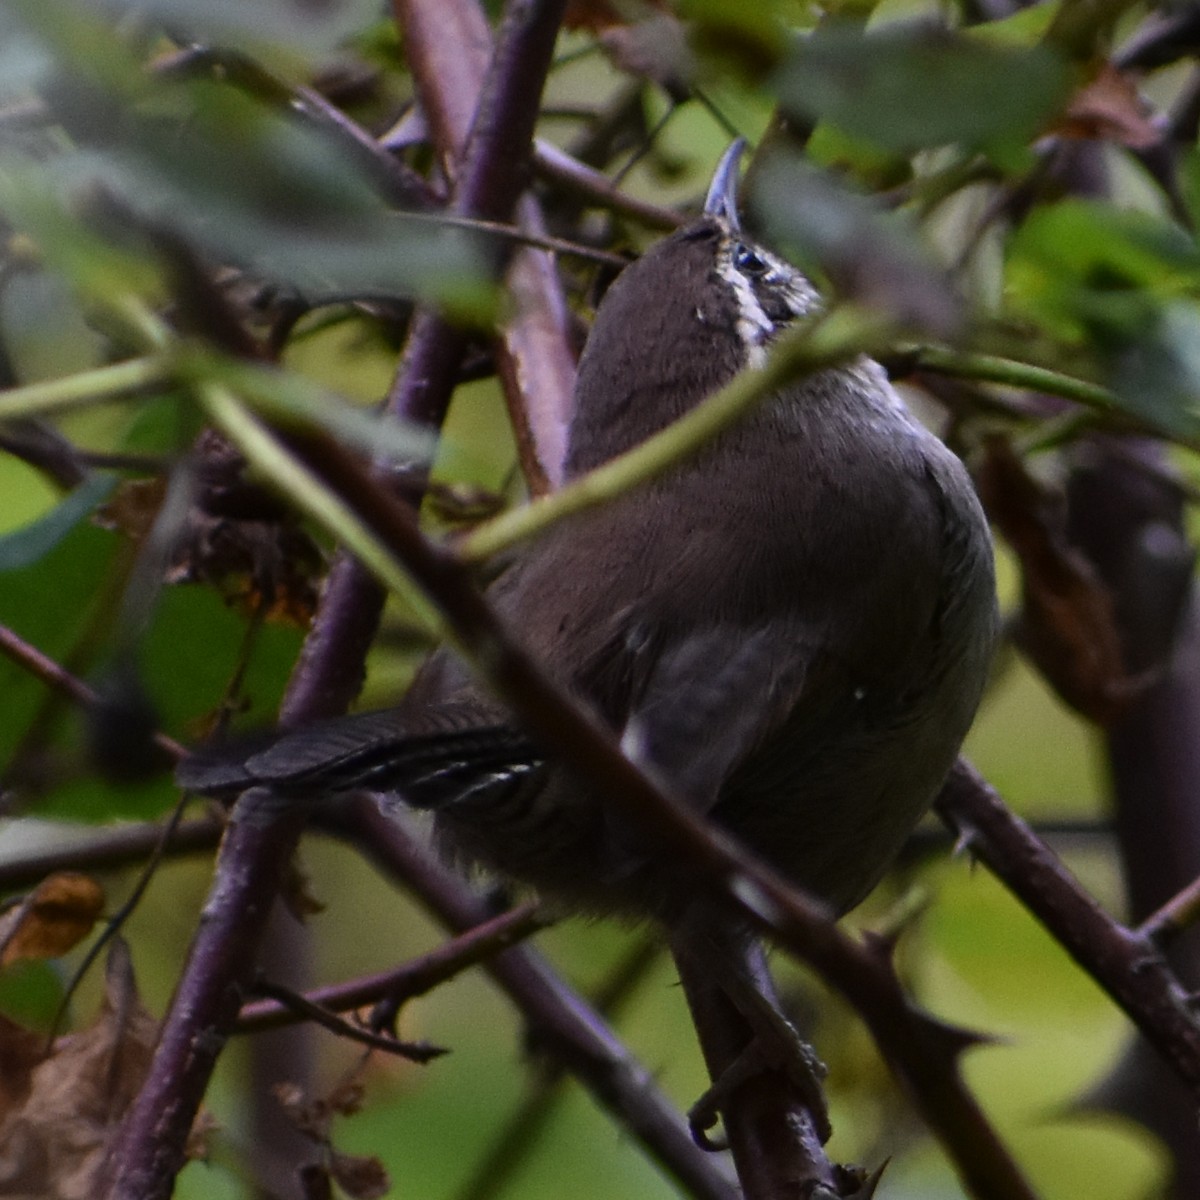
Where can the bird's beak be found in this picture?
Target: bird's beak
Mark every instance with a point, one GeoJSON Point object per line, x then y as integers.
{"type": "Point", "coordinates": [721, 200]}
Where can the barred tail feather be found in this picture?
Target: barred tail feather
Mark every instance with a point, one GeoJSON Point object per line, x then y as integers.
{"type": "Point", "coordinates": [372, 752]}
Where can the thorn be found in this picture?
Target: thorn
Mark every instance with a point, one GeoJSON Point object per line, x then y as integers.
{"type": "Point", "coordinates": [899, 918]}
{"type": "Point", "coordinates": [852, 1183]}
{"type": "Point", "coordinates": [867, 1188]}
{"type": "Point", "coordinates": [881, 944]}
{"type": "Point", "coordinates": [964, 843]}
{"type": "Point", "coordinates": [955, 1040]}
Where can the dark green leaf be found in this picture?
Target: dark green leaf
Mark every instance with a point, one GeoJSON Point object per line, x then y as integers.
{"type": "Point", "coordinates": [30, 993]}
{"type": "Point", "coordinates": [916, 85]}
{"type": "Point", "coordinates": [26, 546]}
{"type": "Point", "coordinates": [871, 256]}
{"type": "Point", "coordinates": [48, 603]}
{"type": "Point", "coordinates": [241, 177]}
{"type": "Point", "coordinates": [1157, 375]}
{"type": "Point", "coordinates": [295, 28]}
{"type": "Point", "coordinates": [1082, 266]}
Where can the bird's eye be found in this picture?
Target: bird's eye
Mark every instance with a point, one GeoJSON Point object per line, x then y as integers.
{"type": "Point", "coordinates": [748, 260]}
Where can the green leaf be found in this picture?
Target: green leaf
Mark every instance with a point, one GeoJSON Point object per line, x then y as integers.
{"type": "Point", "coordinates": [906, 87]}
{"type": "Point", "coordinates": [26, 546]}
{"type": "Point", "coordinates": [1125, 286]}
{"type": "Point", "coordinates": [49, 603]}
{"type": "Point", "coordinates": [1084, 268]}
{"type": "Point", "coordinates": [282, 29]}
{"type": "Point", "coordinates": [240, 177]}
{"type": "Point", "coordinates": [288, 397]}
{"type": "Point", "coordinates": [871, 256]}
{"type": "Point", "coordinates": [38, 204]}
{"type": "Point", "coordinates": [1157, 375]}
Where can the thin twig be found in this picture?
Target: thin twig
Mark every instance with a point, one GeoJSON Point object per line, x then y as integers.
{"type": "Point", "coordinates": [513, 233]}
{"type": "Point", "coordinates": [305, 1008]}
{"type": "Point", "coordinates": [109, 849]}
{"type": "Point", "coordinates": [113, 926]}
{"type": "Point", "coordinates": [60, 680]}
{"type": "Point", "coordinates": [555, 164]}
{"type": "Point", "coordinates": [923, 1052]}
{"type": "Point", "coordinates": [410, 979]}
{"type": "Point", "coordinates": [1168, 921]}
{"type": "Point", "coordinates": [516, 1139]}
{"type": "Point", "coordinates": [1126, 963]}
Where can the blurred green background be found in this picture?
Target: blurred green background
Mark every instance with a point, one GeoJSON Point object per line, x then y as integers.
{"type": "Point", "coordinates": [972, 956]}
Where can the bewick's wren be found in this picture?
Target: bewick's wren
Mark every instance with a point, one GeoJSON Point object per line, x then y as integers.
{"type": "Point", "coordinates": [793, 627]}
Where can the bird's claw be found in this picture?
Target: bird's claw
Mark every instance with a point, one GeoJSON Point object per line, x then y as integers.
{"type": "Point", "coordinates": [795, 1058]}
{"type": "Point", "coordinates": [706, 1112]}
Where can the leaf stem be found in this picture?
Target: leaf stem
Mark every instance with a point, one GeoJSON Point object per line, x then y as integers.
{"type": "Point", "coordinates": [841, 334]}
{"type": "Point", "coordinates": [86, 387]}
{"type": "Point", "coordinates": [994, 369]}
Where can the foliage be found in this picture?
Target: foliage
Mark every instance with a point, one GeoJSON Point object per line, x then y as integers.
{"type": "Point", "coordinates": [226, 215]}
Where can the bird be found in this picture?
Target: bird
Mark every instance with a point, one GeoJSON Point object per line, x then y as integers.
{"type": "Point", "coordinates": [792, 628]}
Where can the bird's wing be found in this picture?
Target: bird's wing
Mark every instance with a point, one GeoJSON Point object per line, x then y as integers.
{"type": "Point", "coordinates": [710, 698]}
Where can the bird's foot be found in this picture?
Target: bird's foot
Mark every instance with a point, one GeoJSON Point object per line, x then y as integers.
{"type": "Point", "coordinates": [776, 1047]}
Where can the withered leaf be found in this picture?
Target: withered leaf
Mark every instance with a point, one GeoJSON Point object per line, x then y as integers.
{"type": "Point", "coordinates": [236, 538]}
{"type": "Point", "coordinates": [310, 1117]}
{"type": "Point", "coordinates": [54, 917]}
{"type": "Point", "coordinates": [132, 507]}
{"type": "Point", "coordinates": [359, 1175]}
{"type": "Point", "coordinates": [1068, 625]}
{"type": "Point", "coordinates": [1109, 107]}
{"type": "Point", "coordinates": [21, 1050]}
{"type": "Point", "coordinates": [347, 1098]}
{"type": "Point", "coordinates": [656, 49]}
{"type": "Point", "coordinates": [55, 1141]}
{"type": "Point", "coordinates": [362, 1177]}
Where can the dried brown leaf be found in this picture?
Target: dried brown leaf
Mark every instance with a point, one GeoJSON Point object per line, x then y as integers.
{"type": "Point", "coordinates": [596, 15]}
{"type": "Point", "coordinates": [347, 1098]}
{"type": "Point", "coordinates": [133, 506]}
{"type": "Point", "coordinates": [58, 914]}
{"type": "Point", "coordinates": [237, 537]}
{"type": "Point", "coordinates": [55, 1142]}
{"type": "Point", "coordinates": [1068, 624]}
{"type": "Point", "coordinates": [359, 1175]}
{"type": "Point", "coordinates": [1110, 107]}
{"type": "Point", "coordinates": [313, 1118]}
{"type": "Point", "coordinates": [656, 49]}
{"type": "Point", "coordinates": [21, 1050]}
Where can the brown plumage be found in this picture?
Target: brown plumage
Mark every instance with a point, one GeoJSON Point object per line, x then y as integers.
{"type": "Point", "coordinates": [793, 627]}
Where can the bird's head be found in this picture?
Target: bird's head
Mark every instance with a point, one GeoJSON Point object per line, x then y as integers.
{"type": "Point", "coordinates": [680, 322]}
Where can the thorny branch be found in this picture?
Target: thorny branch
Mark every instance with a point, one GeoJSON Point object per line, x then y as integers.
{"type": "Point", "coordinates": [923, 1052]}
{"type": "Point", "coordinates": [262, 836]}
{"type": "Point", "coordinates": [410, 979]}
{"type": "Point", "coordinates": [1126, 963]}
